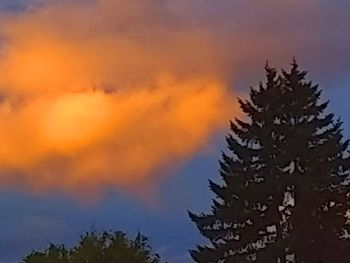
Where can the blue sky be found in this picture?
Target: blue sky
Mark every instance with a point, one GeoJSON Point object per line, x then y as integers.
{"type": "Point", "coordinates": [321, 44]}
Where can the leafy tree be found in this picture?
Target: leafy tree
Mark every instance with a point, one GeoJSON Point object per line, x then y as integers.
{"type": "Point", "coordinates": [284, 194]}
{"type": "Point", "coordinates": [54, 254]}
{"type": "Point", "coordinates": [106, 247]}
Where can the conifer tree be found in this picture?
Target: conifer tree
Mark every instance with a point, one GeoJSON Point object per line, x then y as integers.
{"type": "Point", "coordinates": [283, 197]}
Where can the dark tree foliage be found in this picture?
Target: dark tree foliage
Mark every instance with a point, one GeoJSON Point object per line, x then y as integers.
{"type": "Point", "coordinates": [284, 193]}
{"type": "Point", "coordinates": [107, 247]}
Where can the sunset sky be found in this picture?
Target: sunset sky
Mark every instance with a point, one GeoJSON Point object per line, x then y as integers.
{"type": "Point", "coordinates": [113, 112]}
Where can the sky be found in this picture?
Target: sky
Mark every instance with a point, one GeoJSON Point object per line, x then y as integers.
{"type": "Point", "coordinates": [113, 113]}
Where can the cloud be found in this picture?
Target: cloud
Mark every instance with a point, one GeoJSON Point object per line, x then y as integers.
{"type": "Point", "coordinates": [102, 94]}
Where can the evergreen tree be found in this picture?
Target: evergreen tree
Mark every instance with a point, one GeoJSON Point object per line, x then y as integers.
{"type": "Point", "coordinates": [283, 196]}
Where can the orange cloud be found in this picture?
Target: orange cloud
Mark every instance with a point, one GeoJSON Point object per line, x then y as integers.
{"type": "Point", "coordinates": [103, 95]}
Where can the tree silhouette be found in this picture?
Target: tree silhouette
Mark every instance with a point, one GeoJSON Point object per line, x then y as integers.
{"type": "Point", "coordinates": [283, 196]}
{"type": "Point", "coordinates": [106, 247]}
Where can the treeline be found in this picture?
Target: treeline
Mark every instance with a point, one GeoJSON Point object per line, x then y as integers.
{"type": "Point", "coordinates": [284, 194]}
{"type": "Point", "coordinates": [94, 247]}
